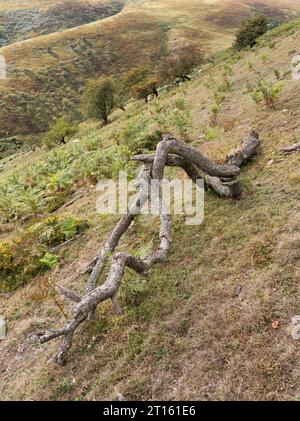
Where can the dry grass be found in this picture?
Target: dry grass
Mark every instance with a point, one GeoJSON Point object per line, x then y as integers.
{"type": "Point", "coordinates": [202, 327]}
{"type": "Point", "coordinates": [46, 69]}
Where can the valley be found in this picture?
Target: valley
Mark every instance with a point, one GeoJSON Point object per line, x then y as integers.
{"type": "Point", "coordinates": [46, 75]}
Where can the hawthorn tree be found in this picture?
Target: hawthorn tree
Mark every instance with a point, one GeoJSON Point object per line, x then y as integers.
{"type": "Point", "coordinates": [60, 132]}
{"type": "Point", "coordinates": [99, 99]}
{"type": "Point", "coordinates": [180, 64]}
{"type": "Point", "coordinates": [140, 83]}
{"type": "Point", "coordinates": [250, 30]}
{"type": "Point", "coordinates": [144, 89]}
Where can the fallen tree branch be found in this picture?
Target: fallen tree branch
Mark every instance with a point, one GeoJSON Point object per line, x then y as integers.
{"type": "Point", "coordinates": [190, 154]}
{"type": "Point", "coordinates": [169, 152]}
{"type": "Point", "coordinates": [68, 293]}
{"type": "Point", "coordinates": [33, 215]}
{"type": "Point", "coordinates": [292, 148]}
{"type": "Point", "coordinates": [229, 188]}
{"type": "Point", "coordinates": [168, 145]}
{"type": "Point", "coordinates": [249, 148]}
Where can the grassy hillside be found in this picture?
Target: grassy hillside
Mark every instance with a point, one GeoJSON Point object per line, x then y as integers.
{"type": "Point", "coordinates": [21, 20]}
{"type": "Point", "coordinates": [214, 322]}
{"type": "Point", "coordinates": [47, 74]}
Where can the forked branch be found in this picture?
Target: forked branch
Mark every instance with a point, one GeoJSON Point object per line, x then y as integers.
{"type": "Point", "coordinates": [221, 178]}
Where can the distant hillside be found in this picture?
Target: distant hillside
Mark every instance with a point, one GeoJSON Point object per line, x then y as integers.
{"type": "Point", "coordinates": [47, 74]}
{"type": "Point", "coordinates": [21, 20]}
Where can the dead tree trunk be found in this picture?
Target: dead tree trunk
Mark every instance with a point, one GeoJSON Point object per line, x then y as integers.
{"type": "Point", "coordinates": [221, 178]}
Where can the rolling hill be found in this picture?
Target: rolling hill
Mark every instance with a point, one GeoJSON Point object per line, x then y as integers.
{"type": "Point", "coordinates": [47, 73]}
{"type": "Point", "coordinates": [27, 19]}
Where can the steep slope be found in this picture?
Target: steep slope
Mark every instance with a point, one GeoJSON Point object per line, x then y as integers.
{"type": "Point", "coordinates": [214, 322]}
{"type": "Point", "coordinates": [46, 74]}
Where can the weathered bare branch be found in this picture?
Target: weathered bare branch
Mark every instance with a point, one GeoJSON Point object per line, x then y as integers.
{"type": "Point", "coordinates": [69, 294]}
{"type": "Point", "coordinates": [227, 189]}
{"type": "Point", "coordinates": [119, 230]}
{"type": "Point", "coordinates": [249, 148]}
{"type": "Point", "coordinates": [292, 148]}
{"type": "Point", "coordinates": [231, 188]}
{"type": "Point", "coordinates": [169, 152]}
{"type": "Point", "coordinates": [191, 155]}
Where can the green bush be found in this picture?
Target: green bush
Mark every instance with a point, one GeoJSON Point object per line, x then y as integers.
{"type": "Point", "coordinates": [212, 133]}
{"type": "Point", "coordinates": [55, 230]}
{"type": "Point", "coordinates": [250, 31]}
{"type": "Point", "coordinates": [138, 134]}
{"type": "Point", "coordinates": [44, 187]}
{"type": "Point", "coordinates": [60, 132]}
{"type": "Point", "coordinates": [133, 291]}
{"type": "Point", "coordinates": [215, 110]}
{"type": "Point", "coordinates": [29, 254]}
{"type": "Point", "coordinates": [174, 118]}
{"type": "Point", "coordinates": [98, 100]}
{"type": "Point", "coordinates": [49, 261]}
{"type": "Point", "coordinates": [266, 91]}
{"type": "Point", "coordinates": [9, 146]}
{"type": "Point", "coordinates": [19, 260]}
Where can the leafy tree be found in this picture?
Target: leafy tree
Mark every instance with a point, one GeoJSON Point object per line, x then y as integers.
{"type": "Point", "coordinates": [180, 64]}
{"type": "Point", "coordinates": [144, 89]}
{"type": "Point", "coordinates": [135, 77]}
{"type": "Point", "coordinates": [120, 98]}
{"type": "Point", "coordinates": [99, 99]}
{"type": "Point", "coordinates": [60, 132]}
{"type": "Point", "coordinates": [140, 83]}
{"type": "Point", "coordinates": [250, 30]}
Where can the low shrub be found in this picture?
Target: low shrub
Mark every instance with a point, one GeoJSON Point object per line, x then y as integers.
{"type": "Point", "coordinates": [266, 91]}
{"type": "Point", "coordinates": [26, 256]}
{"type": "Point", "coordinates": [174, 118]}
{"type": "Point", "coordinates": [58, 229]}
{"type": "Point", "coordinates": [44, 187]}
{"type": "Point", "coordinates": [250, 31]}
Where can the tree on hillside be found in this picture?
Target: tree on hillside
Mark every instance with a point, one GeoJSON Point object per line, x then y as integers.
{"type": "Point", "coordinates": [140, 83]}
{"type": "Point", "coordinates": [99, 99]}
{"type": "Point", "coordinates": [143, 90]}
{"type": "Point", "coordinates": [250, 30]}
{"type": "Point", "coordinates": [121, 96]}
{"type": "Point", "coordinates": [180, 64]}
{"type": "Point", "coordinates": [60, 132]}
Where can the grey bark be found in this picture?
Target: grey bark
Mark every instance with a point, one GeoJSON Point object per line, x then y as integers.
{"type": "Point", "coordinates": [69, 294]}
{"type": "Point", "coordinates": [249, 148]}
{"type": "Point", "coordinates": [292, 148]}
{"type": "Point", "coordinates": [169, 152]}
